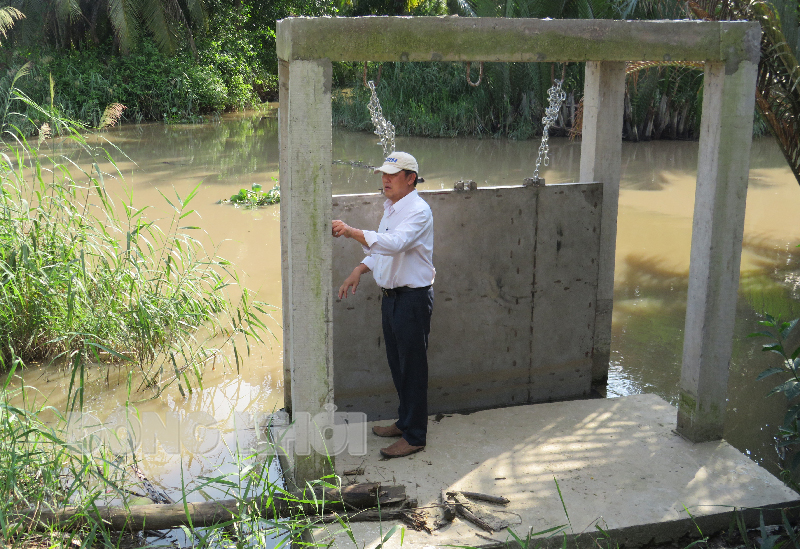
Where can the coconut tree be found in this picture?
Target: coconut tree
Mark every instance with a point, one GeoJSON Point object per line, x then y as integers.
{"type": "Point", "coordinates": [778, 84]}
{"type": "Point", "coordinates": [69, 23]}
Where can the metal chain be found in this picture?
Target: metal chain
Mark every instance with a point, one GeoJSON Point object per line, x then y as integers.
{"type": "Point", "coordinates": [383, 128]}
{"type": "Point", "coordinates": [556, 96]}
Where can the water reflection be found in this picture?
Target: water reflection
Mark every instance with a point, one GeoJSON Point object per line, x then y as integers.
{"type": "Point", "coordinates": [652, 261]}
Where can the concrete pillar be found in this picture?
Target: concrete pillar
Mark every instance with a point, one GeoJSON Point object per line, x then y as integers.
{"type": "Point", "coordinates": [305, 177]}
{"type": "Point", "coordinates": [283, 168]}
{"type": "Point", "coordinates": [601, 153]}
{"type": "Point", "coordinates": [722, 172]}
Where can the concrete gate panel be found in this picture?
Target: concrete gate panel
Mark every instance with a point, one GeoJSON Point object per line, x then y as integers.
{"type": "Point", "coordinates": [565, 291]}
{"type": "Point", "coordinates": [516, 278]}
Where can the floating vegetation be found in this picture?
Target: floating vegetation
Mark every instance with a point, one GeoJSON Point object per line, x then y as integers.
{"type": "Point", "coordinates": [354, 164]}
{"type": "Point", "coordinates": [255, 197]}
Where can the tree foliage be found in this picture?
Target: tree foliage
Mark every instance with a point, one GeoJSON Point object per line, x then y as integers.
{"type": "Point", "coordinates": [777, 91]}
{"type": "Point", "coordinates": [79, 23]}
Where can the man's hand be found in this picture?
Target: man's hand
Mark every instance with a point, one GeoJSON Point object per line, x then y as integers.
{"type": "Point", "coordinates": [352, 280]}
{"type": "Point", "coordinates": [340, 228]}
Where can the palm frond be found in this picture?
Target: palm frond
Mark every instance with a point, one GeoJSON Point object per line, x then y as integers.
{"type": "Point", "coordinates": [649, 9]}
{"type": "Point", "coordinates": [777, 93]}
{"type": "Point", "coordinates": [158, 22]}
{"type": "Point", "coordinates": [67, 10]}
{"type": "Point", "coordinates": [197, 14]}
{"type": "Point", "coordinates": [124, 17]}
{"type": "Point", "coordinates": [466, 8]}
{"type": "Point", "coordinates": [174, 12]}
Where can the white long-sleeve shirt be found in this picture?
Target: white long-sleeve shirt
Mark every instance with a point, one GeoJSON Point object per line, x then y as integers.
{"type": "Point", "coordinates": [400, 252]}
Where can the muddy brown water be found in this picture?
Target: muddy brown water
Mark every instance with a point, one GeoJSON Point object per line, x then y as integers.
{"type": "Point", "coordinates": [652, 262]}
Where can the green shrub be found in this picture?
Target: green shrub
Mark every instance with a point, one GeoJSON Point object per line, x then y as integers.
{"type": "Point", "coordinates": [150, 84]}
{"type": "Point", "coordinates": [789, 371]}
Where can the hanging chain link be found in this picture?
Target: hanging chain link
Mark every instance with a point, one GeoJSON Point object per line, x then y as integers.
{"type": "Point", "coordinates": [383, 128]}
{"type": "Point", "coordinates": [556, 96]}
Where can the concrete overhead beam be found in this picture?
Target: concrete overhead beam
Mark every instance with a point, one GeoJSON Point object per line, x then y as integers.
{"type": "Point", "coordinates": [454, 38]}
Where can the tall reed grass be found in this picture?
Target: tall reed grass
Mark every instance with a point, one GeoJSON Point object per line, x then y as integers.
{"type": "Point", "coordinates": [40, 470]}
{"type": "Point", "coordinates": [86, 276]}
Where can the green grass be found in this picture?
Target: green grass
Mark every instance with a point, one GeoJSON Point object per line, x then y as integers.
{"type": "Point", "coordinates": [39, 470]}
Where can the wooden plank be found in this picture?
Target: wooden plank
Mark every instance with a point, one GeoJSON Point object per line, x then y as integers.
{"type": "Point", "coordinates": [209, 513]}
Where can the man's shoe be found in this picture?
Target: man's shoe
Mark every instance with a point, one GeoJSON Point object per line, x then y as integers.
{"type": "Point", "coordinates": [388, 431]}
{"type": "Point", "coordinates": [401, 448]}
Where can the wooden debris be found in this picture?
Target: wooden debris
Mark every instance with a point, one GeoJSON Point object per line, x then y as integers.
{"type": "Point", "coordinates": [367, 494]}
{"type": "Point", "coordinates": [439, 516]}
{"type": "Point", "coordinates": [478, 514]}
{"type": "Point", "coordinates": [155, 495]}
{"type": "Point", "coordinates": [391, 511]}
{"type": "Point", "coordinates": [482, 497]}
{"type": "Point", "coordinates": [164, 516]}
{"type": "Point", "coordinates": [415, 520]}
{"type": "Point", "coordinates": [464, 510]}
{"type": "Point", "coordinates": [354, 472]}
{"type": "Point", "coordinates": [429, 518]}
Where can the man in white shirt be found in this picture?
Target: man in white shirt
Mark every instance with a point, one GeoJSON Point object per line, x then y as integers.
{"type": "Point", "coordinates": [400, 256]}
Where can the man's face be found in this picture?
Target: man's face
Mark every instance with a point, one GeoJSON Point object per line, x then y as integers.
{"type": "Point", "coordinates": [397, 185]}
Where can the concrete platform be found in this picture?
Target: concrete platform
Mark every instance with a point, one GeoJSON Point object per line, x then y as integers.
{"type": "Point", "coordinates": [618, 464]}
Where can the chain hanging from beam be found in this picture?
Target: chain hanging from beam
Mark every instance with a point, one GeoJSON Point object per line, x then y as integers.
{"type": "Point", "coordinates": [383, 128]}
{"type": "Point", "coordinates": [556, 96]}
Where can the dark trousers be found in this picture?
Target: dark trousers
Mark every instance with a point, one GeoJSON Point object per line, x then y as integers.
{"type": "Point", "coordinates": [406, 324]}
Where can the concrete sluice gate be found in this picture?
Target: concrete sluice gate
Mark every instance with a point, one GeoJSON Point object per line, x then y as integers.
{"type": "Point", "coordinates": [514, 307]}
{"type": "Point", "coordinates": [522, 310]}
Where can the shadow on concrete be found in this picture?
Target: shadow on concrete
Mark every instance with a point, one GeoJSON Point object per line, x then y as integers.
{"type": "Point", "coordinates": [615, 463]}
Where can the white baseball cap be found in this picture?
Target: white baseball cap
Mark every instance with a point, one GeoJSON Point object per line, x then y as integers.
{"type": "Point", "coordinates": [398, 161]}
